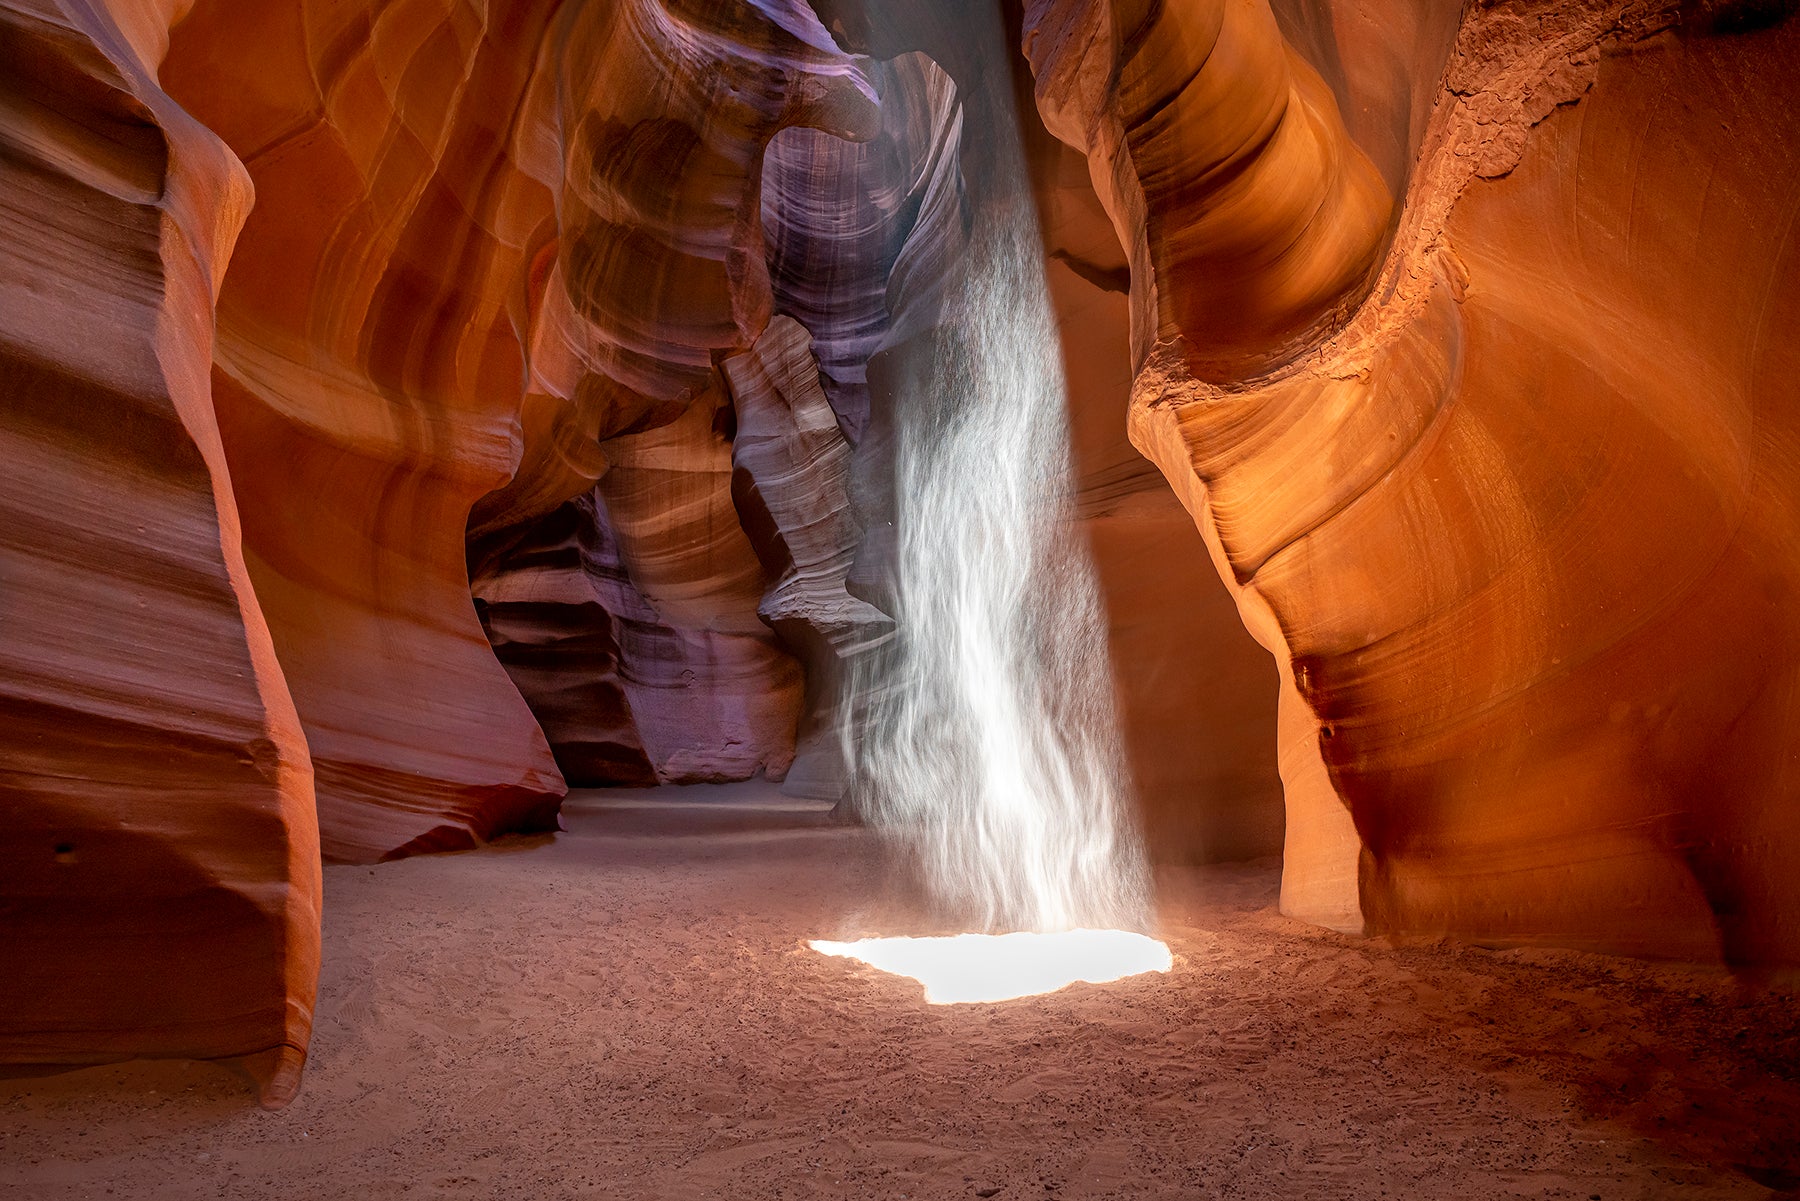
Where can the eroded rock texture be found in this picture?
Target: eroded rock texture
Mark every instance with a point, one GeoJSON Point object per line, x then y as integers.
{"type": "Point", "coordinates": [367, 385]}
{"type": "Point", "coordinates": [837, 215]}
{"type": "Point", "coordinates": [793, 482]}
{"type": "Point", "coordinates": [1515, 527]}
{"type": "Point", "coordinates": [159, 872]}
{"type": "Point", "coordinates": [1196, 694]}
{"type": "Point", "coordinates": [659, 262]}
{"type": "Point", "coordinates": [1464, 337]}
{"type": "Point", "coordinates": [553, 607]}
{"type": "Point", "coordinates": [721, 698]}
{"type": "Point", "coordinates": [472, 221]}
{"type": "Point", "coordinates": [659, 267]}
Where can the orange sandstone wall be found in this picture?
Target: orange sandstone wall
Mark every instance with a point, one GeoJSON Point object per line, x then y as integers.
{"type": "Point", "coordinates": [1465, 340]}
{"type": "Point", "coordinates": [367, 384]}
{"type": "Point", "coordinates": [159, 860]}
{"type": "Point", "coordinates": [1497, 465]}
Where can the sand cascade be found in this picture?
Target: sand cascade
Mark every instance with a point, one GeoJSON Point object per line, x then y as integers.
{"type": "Point", "coordinates": [990, 747]}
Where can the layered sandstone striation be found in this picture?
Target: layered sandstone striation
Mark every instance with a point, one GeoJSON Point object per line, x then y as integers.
{"type": "Point", "coordinates": [1504, 502]}
{"type": "Point", "coordinates": [1463, 337]}
{"type": "Point", "coordinates": [159, 861]}
{"type": "Point", "coordinates": [659, 267]}
{"type": "Point", "coordinates": [555, 607]}
{"type": "Point", "coordinates": [666, 111]}
{"type": "Point", "coordinates": [1196, 694]}
{"type": "Point", "coordinates": [486, 244]}
{"type": "Point", "coordinates": [367, 386]}
{"type": "Point", "coordinates": [792, 466]}
{"type": "Point", "coordinates": [719, 698]}
{"type": "Point", "coordinates": [470, 237]}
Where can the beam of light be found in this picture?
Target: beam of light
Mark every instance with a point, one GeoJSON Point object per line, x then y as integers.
{"type": "Point", "coordinates": [969, 968]}
{"type": "Point", "coordinates": [988, 747]}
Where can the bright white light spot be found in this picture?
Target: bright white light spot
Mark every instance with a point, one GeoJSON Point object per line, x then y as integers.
{"type": "Point", "coordinates": [967, 968]}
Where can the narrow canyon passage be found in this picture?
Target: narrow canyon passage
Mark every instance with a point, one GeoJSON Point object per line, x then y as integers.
{"type": "Point", "coordinates": [627, 1010]}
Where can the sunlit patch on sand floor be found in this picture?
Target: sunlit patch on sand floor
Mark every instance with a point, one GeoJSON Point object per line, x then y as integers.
{"type": "Point", "coordinates": [965, 968]}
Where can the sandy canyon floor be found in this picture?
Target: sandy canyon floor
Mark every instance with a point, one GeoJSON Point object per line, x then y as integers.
{"type": "Point", "coordinates": [628, 1010]}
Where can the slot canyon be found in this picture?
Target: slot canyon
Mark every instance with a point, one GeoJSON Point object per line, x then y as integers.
{"type": "Point", "coordinates": [544, 542]}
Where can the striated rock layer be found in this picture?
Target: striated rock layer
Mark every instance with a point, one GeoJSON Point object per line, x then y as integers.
{"type": "Point", "coordinates": [1503, 485]}
{"type": "Point", "coordinates": [487, 242]}
{"type": "Point", "coordinates": [665, 113]}
{"type": "Point", "coordinates": [1196, 695]}
{"type": "Point", "coordinates": [159, 871]}
{"type": "Point", "coordinates": [552, 608]}
{"type": "Point", "coordinates": [717, 697]}
{"type": "Point", "coordinates": [792, 468]}
{"type": "Point", "coordinates": [657, 268]}
{"type": "Point", "coordinates": [366, 381]}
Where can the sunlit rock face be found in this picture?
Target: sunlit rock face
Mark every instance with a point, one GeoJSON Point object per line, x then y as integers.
{"type": "Point", "coordinates": [474, 227]}
{"type": "Point", "coordinates": [1494, 448]}
{"type": "Point", "coordinates": [1465, 342]}
{"type": "Point", "coordinates": [1196, 694]}
{"type": "Point", "coordinates": [367, 391]}
{"type": "Point", "coordinates": [159, 870]}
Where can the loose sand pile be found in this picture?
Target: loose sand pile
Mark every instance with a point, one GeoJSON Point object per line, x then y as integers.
{"type": "Point", "coordinates": [627, 1010]}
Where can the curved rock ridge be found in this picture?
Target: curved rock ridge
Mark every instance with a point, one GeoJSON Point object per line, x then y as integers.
{"type": "Point", "coordinates": [159, 870]}
{"type": "Point", "coordinates": [552, 607]}
{"type": "Point", "coordinates": [792, 465]}
{"type": "Point", "coordinates": [666, 111]}
{"type": "Point", "coordinates": [367, 385]}
{"type": "Point", "coordinates": [715, 695]}
{"type": "Point", "coordinates": [541, 220]}
{"type": "Point", "coordinates": [1508, 530]}
{"type": "Point", "coordinates": [836, 214]}
{"type": "Point", "coordinates": [631, 691]}
{"type": "Point", "coordinates": [1223, 157]}
{"type": "Point", "coordinates": [1196, 695]}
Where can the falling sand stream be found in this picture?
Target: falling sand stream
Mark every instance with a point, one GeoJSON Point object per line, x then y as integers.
{"type": "Point", "coordinates": [988, 746]}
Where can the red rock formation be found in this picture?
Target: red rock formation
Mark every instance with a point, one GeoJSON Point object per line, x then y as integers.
{"type": "Point", "coordinates": [715, 696]}
{"type": "Point", "coordinates": [366, 380]}
{"type": "Point", "coordinates": [659, 263]}
{"type": "Point", "coordinates": [454, 205]}
{"type": "Point", "coordinates": [793, 468]}
{"type": "Point", "coordinates": [552, 606]}
{"type": "Point", "coordinates": [1196, 694]}
{"type": "Point", "coordinates": [158, 858]}
{"type": "Point", "coordinates": [836, 214]}
{"type": "Point", "coordinates": [1478, 386]}
{"type": "Point", "coordinates": [1512, 528]}
{"type": "Point", "coordinates": [658, 268]}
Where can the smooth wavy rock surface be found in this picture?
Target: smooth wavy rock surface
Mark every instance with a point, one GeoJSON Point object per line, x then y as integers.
{"type": "Point", "coordinates": [159, 871]}
{"type": "Point", "coordinates": [793, 465]}
{"type": "Point", "coordinates": [665, 111]}
{"type": "Point", "coordinates": [1513, 528]}
{"type": "Point", "coordinates": [552, 605]}
{"type": "Point", "coordinates": [836, 215]}
{"type": "Point", "coordinates": [1196, 694]}
{"type": "Point", "coordinates": [715, 694]}
{"type": "Point", "coordinates": [476, 227]}
{"type": "Point", "coordinates": [366, 381]}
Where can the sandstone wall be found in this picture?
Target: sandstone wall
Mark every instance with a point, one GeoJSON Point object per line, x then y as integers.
{"type": "Point", "coordinates": [159, 861]}
{"type": "Point", "coordinates": [1491, 464]}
